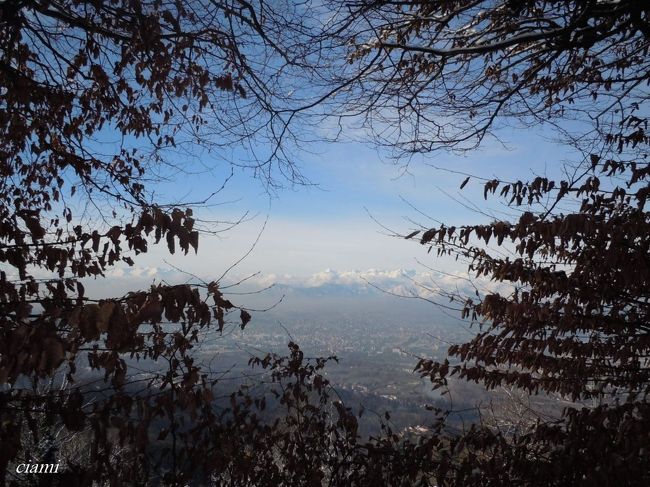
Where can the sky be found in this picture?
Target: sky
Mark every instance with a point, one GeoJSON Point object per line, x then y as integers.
{"type": "Point", "coordinates": [340, 225]}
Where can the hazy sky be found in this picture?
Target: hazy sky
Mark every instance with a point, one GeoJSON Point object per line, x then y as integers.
{"type": "Point", "coordinates": [327, 226]}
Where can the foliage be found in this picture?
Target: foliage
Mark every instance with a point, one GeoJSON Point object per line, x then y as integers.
{"type": "Point", "coordinates": [575, 255]}
{"type": "Point", "coordinates": [97, 100]}
{"type": "Point", "coordinates": [160, 75]}
{"type": "Point", "coordinates": [444, 74]}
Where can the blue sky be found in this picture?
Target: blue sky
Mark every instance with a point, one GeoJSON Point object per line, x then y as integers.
{"type": "Point", "coordinates": [327, 226]}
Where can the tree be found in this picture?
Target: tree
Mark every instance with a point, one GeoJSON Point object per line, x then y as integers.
{"type": "Point", "coordinates": [158, 77]}
{"type": "Point", "coordinates": [161, 75]}
{"type": "Point", "coordinates": [436, 75]}
{"type": "Point", "coordinates": [431, 75]}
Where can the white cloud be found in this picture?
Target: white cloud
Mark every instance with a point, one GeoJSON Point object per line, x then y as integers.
{"type": "Point", "coordinates": [132, 272]}
{"type": "Point", "coordinates": [407, 282]}
{"type": "Point", "coordinates": [118, 273]}
{"type": "Point", "coordinates": [143, 272]}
